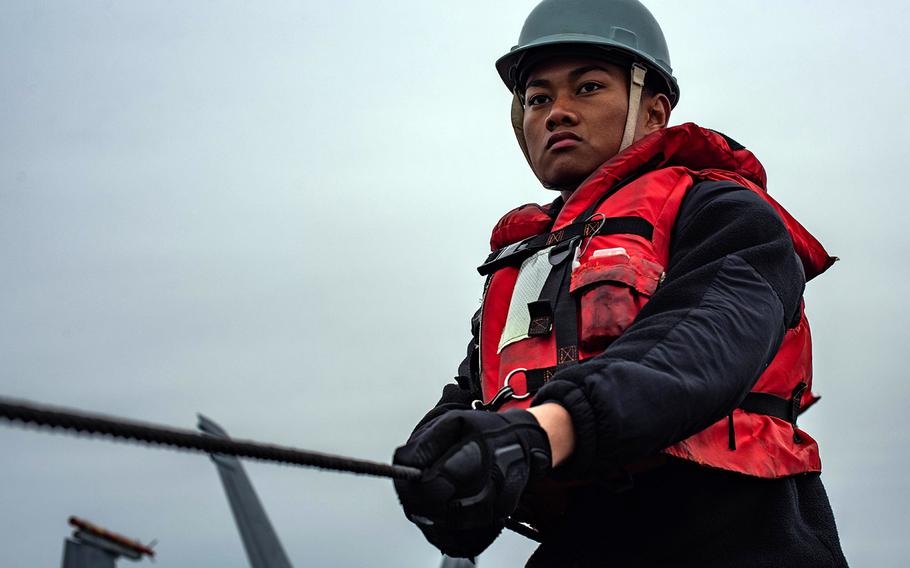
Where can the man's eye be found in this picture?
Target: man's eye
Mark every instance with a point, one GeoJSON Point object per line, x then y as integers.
{"type": "Point", "coordinates": [538, 100]}
{"type": "Point", "coordinates": [589, 88]}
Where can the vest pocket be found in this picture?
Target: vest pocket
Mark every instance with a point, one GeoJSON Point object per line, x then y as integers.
{"type": "Point", "coordinates": [612, 288]}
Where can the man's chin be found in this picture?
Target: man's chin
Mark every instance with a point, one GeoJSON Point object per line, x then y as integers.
{"type": "Point", "coordinates": [567, 180]}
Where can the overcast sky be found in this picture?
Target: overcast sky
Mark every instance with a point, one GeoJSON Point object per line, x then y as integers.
{"type": "Point", "coordinates": [271, 213]}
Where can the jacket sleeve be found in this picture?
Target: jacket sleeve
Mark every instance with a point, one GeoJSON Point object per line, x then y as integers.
{"type": "Point", "coordinates": [733, 285]}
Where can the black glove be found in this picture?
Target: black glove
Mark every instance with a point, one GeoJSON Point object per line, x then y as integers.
{"type": "Point", "coordinates": [475, 465]}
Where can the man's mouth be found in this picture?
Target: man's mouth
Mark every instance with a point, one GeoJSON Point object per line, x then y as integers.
{"type": "Point", "coordinates": [562, 139]}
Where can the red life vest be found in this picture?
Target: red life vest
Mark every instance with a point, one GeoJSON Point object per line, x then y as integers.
{"type": "Point", "coordinates": [616, 227]}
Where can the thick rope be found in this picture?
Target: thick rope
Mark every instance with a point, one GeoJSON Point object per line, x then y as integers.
{"type": "Point", "coordinates": [95, 424]}
{"type": "Point", "coordinates": [55, 417]}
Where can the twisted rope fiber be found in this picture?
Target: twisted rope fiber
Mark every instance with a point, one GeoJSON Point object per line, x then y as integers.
{"type": "Point", "coordinates": [62, 418]}
{"type": "Point", "coordinates": [96, 424]}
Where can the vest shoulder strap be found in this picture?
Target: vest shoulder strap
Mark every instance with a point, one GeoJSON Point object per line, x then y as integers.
{"type": "Point", "coordinates": [515, 253]}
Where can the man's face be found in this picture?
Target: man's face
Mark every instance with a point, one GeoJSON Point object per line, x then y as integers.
{"type": "Point", "coordinates": [575, 114]}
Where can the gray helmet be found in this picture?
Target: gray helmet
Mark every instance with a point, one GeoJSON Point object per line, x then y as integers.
{"type": "Point", "coordinates": [623, 28]}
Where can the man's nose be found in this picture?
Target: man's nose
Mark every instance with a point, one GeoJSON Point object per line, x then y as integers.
{"type": "Point", "coordinates": [561, 113]}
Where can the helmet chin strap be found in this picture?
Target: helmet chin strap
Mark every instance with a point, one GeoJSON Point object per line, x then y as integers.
{"type": "Point", "coordinates": [635, 88]}
{"type": "Point", "coordinates": [636, 85]}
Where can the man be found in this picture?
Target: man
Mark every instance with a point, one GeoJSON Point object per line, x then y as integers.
{"type": "Point", "coordinates": [641, 353]}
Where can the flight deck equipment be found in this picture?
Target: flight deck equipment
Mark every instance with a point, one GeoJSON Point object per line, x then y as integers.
{"type": "Point", "coordinates": [92, 546]}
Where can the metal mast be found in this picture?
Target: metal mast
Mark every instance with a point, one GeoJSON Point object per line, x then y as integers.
{"type": "Point", "coordinates": [262, 546]}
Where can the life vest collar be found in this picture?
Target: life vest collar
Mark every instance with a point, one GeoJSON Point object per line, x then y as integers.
{"type": "Point", "coordinates": [687, 145]}
{"type": "Point", "coordinates": [696, 149]}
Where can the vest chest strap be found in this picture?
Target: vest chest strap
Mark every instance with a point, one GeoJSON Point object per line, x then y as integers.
{"type": "Point", "coordinates": [515, 253]}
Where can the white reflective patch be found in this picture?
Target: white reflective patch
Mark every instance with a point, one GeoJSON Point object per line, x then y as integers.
{"type": "Point", "coordinates": [531, 277]}
{"type": "Point", "coordinates": [610, 252]}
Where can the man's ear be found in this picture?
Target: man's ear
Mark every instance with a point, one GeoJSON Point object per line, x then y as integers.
{"type": "Point", "coordinates": [656, 113]}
